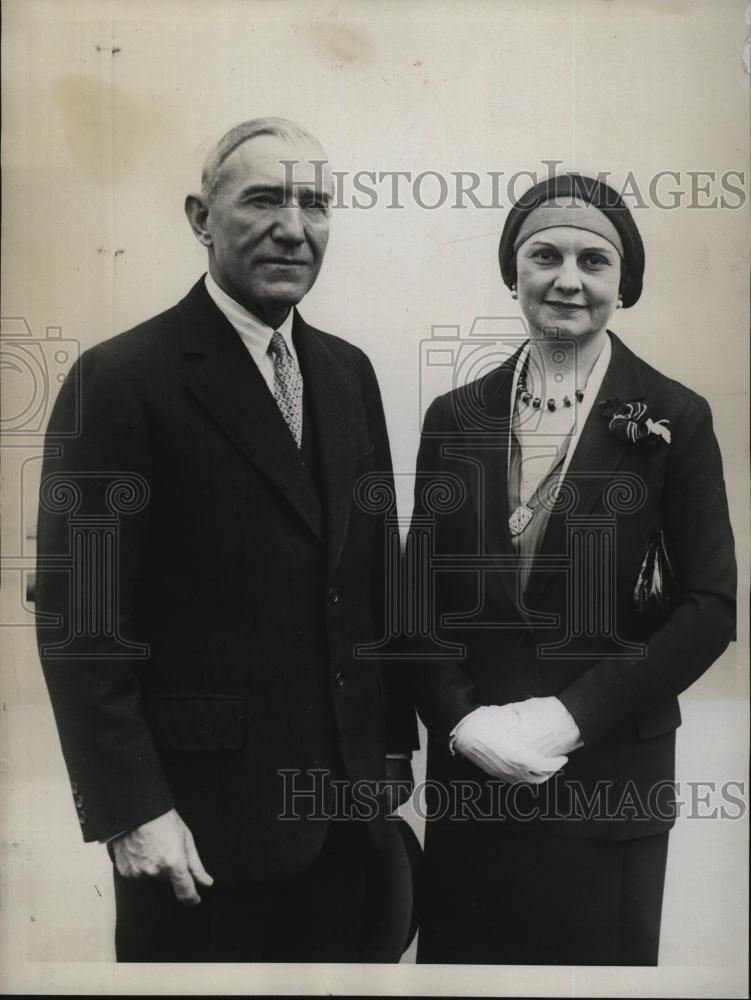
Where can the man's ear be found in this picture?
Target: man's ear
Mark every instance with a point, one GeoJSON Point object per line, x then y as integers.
{"type": "Point", "coordinates": [197, 212]}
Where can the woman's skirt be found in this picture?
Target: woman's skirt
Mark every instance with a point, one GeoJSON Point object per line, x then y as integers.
{"type": "Point", "coordinates": [493, 896]}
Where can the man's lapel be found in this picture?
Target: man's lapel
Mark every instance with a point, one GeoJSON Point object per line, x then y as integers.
{"type": "Point", "coordinates": [333, 404]}
{"type": "Point", "coordinates": [597, 456]}
{"type": "Point", "coordinates": [229, 386]}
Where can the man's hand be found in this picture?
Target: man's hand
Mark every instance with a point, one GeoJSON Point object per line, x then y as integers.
{"type": "Point", "coordinates": [163, 848]}
{"type": "Point", "coordinates": [547, 726]}
{"type": "Point", "coordinates": [488, 737]}
{"type": "Point", "coordinates": [399, 783]}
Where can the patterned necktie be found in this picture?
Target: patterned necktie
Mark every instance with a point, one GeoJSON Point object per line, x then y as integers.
{"type": "Point", "coordinates": [287, 385]}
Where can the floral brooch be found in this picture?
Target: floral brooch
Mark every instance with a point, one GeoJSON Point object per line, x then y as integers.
{"type": "Point", "coordinates": [630, 421]}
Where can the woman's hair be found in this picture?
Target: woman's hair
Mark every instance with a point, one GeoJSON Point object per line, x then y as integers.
{"type": "Point", "coordinates": [578, 188]}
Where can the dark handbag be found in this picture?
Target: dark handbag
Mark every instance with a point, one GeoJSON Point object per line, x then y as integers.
{"type": "Point", "coordinates": [654, 590]}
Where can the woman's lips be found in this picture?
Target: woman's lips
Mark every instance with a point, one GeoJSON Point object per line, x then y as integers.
{"type": "Point", "coordinates": [565, 306]}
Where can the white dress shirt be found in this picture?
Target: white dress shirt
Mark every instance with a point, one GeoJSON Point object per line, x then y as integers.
{"type": "Point", "coordinates": [254, 333]}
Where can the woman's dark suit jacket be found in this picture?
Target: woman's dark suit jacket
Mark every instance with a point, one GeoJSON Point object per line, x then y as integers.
{"type": "Point", "coordinates": [575, 633]}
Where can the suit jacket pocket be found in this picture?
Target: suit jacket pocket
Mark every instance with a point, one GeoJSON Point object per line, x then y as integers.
{"type": "Point", "coordinates": [659, 719]}
{"type": "Point", "coordinates": [195, 722]}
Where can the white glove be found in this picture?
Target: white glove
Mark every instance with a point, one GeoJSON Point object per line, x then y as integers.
{"type": "Point", "coordinates": [547, 726]}
{"type": "Point", "coordinates": [488, 737]}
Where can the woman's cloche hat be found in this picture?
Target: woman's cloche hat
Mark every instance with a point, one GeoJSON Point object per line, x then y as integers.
{"type": "Point", "coordinates": [580, 201]}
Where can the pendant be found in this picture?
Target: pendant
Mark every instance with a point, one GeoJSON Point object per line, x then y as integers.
{"type": "Point", "coordinates": [520, 519]}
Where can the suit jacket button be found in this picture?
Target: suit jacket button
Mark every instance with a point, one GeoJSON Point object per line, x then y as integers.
{"type": "Point", "coordinates": [78, 799]}
{"type": "Point", "coordinates": [338, 679]}
{"type": "Point", "coordinates": [334, 595]}
{"type": "Point", "coordinates": [74, 787]}
{"type": "Point", "coordinates": [81, 817]}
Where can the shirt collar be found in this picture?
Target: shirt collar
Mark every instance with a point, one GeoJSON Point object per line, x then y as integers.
{"type": "Point", "coordinates": [255, 334]}
{"type": "Point", "coordinates": [591, 392]}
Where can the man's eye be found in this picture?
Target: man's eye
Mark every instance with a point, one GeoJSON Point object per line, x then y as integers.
{"type": "Point", "coordinates": [316, 206]}
{"type": "Point", "coordinates": [265, 201]}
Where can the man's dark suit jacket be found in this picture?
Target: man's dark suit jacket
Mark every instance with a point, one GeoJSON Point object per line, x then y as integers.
{"type": "Point", "coordinates": [618, 675]}
{"type": "Point", "coordinates": [248, 585]}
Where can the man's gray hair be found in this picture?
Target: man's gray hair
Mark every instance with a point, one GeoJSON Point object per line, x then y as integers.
{"type": "Point", "coordinates": [282, 127]}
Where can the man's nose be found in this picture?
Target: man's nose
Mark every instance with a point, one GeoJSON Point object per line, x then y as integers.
{"type": "Point", "coordinates": [290, 224]}
{"type": "Point", "coordinates": [568, 278]}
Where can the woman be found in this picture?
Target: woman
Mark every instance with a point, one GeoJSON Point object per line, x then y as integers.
{"type": "Point", "coordinates": [583, 573]}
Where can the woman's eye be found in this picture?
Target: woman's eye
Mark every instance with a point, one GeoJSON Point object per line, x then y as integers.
{"type": "Point", "coordinates": [595, 260]}
{"type": "Point", "coordinates": [544, 255]}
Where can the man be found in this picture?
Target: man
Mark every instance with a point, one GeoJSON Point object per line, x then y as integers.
{"type": "Point", "coordinates": [202, 667]}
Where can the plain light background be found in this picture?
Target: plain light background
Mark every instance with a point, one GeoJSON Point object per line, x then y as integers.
{"type": "Point", "coordinates": [99, 149]}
